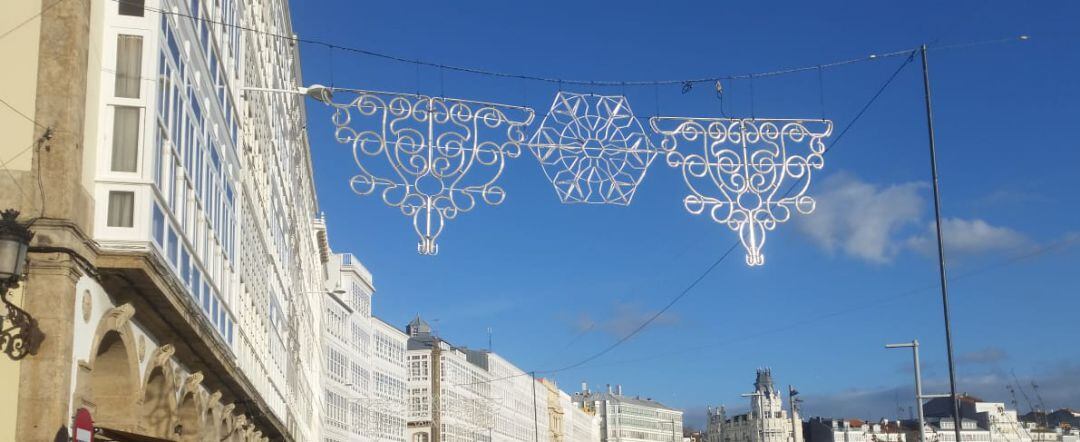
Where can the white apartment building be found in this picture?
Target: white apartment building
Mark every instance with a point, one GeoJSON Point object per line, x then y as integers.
{"type": "Point", "coordinates": [566, 421]}
{"type": "Point", "coordinates": [187, 211]}
{"type": "Point", "coordinates": [631, 418]}
{"type": "Point", "coordinates": [767, 420]}
{"type": "Point", "coordinates": [990, 419]}
{"type": "Point", "coordinates": [364, 370]}
{"type": "Point", "coordinates": [477, 395]}
{"type": "Point", "coordinates": [855, 430]}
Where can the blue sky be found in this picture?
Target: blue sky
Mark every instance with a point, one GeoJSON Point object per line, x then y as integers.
{"type": "Point", "coordinates": [557, 283]}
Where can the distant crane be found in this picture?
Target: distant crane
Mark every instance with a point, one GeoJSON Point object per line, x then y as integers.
{"type": "Point", "coordinates": [1012, 394]}
{"type": "Point", "coordinates": [1042, 405]}
{"type": "Point", "coordinates": [1022, 392]}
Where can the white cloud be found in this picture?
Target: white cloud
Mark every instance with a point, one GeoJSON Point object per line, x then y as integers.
{"type": "Point", "coordinates": [985, 356]}
{"type": "Point", "coordinates": [968, 236]}
{"type": "Point", "coordinates": [624, 319]}
{"type": "Point", "coordinates": [862, 219]}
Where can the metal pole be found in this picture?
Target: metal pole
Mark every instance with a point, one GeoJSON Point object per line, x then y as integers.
{"type": "Point", "coordinates": [940, 245]}
{"type": "Point", "coordinates": [914, 345]}
{"type": "Point", "coordinates": [791, 405]}
{"type": "Point", "coordinates": [918, 391]}
{"type": "Point", "coordinates": [536, 419]}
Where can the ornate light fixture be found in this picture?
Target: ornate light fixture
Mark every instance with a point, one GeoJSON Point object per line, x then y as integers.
{"type": "Point", "coordinates": [431, 157]}
{"type": "Point", "coordinates": [749, 173]}
{"type": "Point", "coordinates": [592, 149]}
{"type": "Point", "coordinates": [19, 333]}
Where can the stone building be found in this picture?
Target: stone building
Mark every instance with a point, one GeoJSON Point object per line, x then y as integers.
{"type": "Point", "coordinates": [767, 420]}
{"type": "Point", "coordinates": [176, 270]}
{"type": "Point", "coordinates": [630, 418]}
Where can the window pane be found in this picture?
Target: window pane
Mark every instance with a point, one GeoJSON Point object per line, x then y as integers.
{"type": "Point", "coordinates": [159, 225]}
{"type": "Point", "coordinates": [128, 65]}
{"type": "Point", "coordinates": [131, 7]}
{"type": "Point", "coordinates": [125, 154]}
{"type": "Point", "coordinates": [121, 208]}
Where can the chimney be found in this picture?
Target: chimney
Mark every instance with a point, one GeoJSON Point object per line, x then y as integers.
{"type": "Point", "coordinates": [618, 389]}
{"type": "Point", "coordinates": [609, 388]}
{"type": "Point", "coordinates": [585, 387]}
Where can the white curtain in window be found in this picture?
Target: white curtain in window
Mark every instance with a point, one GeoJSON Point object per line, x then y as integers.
{"type": "Point", "coordinates": [121, 209]}
{"type": "Point", "coordinates": [128, 65]}
{"type": "Point", "coordinates": [125, 146]}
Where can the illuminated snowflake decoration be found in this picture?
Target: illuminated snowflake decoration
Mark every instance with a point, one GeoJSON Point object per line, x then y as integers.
{"type": "Point", "coordinates": [433, 158]}
{"type": "Point", "coordinates": [592, 149]}
{"type": "Point", "coordinates": [749, 173]}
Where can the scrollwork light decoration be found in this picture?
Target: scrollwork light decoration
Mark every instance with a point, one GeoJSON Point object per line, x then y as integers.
{"type": "Point", "coordinates": [749, 173]}
{"type": "Point", "coordinates": [431, 157]}
{"type": "Point", "coordinates": [592, 149]}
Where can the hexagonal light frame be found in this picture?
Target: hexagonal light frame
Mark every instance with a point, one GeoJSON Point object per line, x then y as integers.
{"type": "Point", "coordinates": [592, 149]}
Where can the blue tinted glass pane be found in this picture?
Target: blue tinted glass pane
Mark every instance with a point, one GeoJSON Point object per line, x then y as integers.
{"type": "Point", "coordinates": [206, 295]}
{"type": "Point", "coordinates": [158, 225]}
{"type": "Point", "coordinates": [196, 282]}
{"type": "Point", "coordinates": [172, 248]}
{"type": "Point", "coordinates": [185, 267]}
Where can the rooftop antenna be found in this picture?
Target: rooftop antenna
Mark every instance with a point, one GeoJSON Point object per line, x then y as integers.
{"type": "Point", "coordinates": [491, 338]}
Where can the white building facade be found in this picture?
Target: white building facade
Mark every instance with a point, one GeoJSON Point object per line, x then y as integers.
{"type": "Point", "coordinates": [458, 394]}
{"type": "Point", "coordinates": [364, 373]}
{"type": "Point", "coordinates": [194, 307]}
{"type": "Point", "coordinates": [854, 430]}
{"type": "Point", "coordinates": [767, 420]}
{"type": "Point", "coordinates": [631, 418]}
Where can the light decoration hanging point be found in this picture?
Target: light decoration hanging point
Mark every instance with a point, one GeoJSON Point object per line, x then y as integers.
{"type": "Point", "coordinates": [749, 173]}
{"type": "Point", "coordinates": [431, 157]}
{"type": "Point", "coordinates": [592, 149]}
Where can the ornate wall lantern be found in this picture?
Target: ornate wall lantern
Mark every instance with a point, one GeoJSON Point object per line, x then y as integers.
{"type": "Point", "coordinates": [19, 332]}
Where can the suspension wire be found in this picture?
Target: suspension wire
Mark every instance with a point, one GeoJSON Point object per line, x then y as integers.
{"type": "Point", "coordinates": [30, 18]}
{"type": "Point", "coordinates": [752, 98]}
{"type": "Point", "coordinates": [331, 56]}
{"type": "Point", "coordinates": [656, 83]}
{"type": "Point", "coordinates": [656, 93]}
{"type": "Point", "coordinates": [858, 116]}
{"type": "Point", "coordinates": [591, 83]}
{"type": "Point", "coordinates": [21, 114]}
{"type": "Point", "coordinates": [1006, 262]}
{"type": "Point", "coordinates": [821, 90]}
{"type": "Point", "coordinates": [734, 245]}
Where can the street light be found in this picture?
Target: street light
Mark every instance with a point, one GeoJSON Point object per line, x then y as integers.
{"type": "Point", "coordinates": [318, 92]}
{"type": "Point", "coordinates": [19, 332]}
{"type": "Point", "coordinates": [919, 396]}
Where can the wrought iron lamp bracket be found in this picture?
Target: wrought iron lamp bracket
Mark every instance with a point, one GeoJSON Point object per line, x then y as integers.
{"type": "Point", "coordinates": [19, 332]}
{"type": "Point", "coordinates": [20, 336]}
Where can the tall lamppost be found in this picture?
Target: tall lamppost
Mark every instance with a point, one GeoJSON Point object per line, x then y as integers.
{"type": "Point", "coordinates": [919, 396]}
{"type": "Point", "coordinates": [19, 332]}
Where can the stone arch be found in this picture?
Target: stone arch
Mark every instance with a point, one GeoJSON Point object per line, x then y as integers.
{"type": "Point", "coordinates": [112, 383]}
{"type": "Point", "coordinates": [158, 410]}
{"type": "Point", "coordinates": [226, 422]}
{"type": "Point", "coordinates": [211, 432]}
{"type": "Point", "coordinates": [188, 418]}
